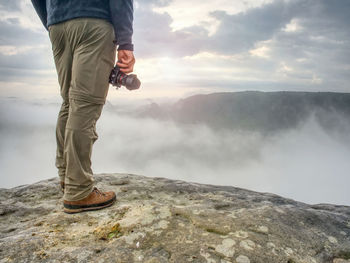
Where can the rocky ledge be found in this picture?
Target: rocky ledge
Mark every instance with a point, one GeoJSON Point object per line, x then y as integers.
{"type": "Point", "coordinates": [158, 220]}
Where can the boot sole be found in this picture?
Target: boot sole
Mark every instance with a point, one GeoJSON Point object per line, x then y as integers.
{"type": "Point", "coordinates": [88, 208]}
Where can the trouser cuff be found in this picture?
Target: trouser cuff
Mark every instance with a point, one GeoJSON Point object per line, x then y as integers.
{"type": "Point", "coordinates": [76, 192]}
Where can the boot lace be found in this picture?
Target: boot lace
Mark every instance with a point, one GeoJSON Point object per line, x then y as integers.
{"type": "Point", "coordinates": [98, 191]}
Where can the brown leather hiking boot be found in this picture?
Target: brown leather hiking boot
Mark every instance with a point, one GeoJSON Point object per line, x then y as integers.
{"type": "Point", "coordinates": [94, 201]}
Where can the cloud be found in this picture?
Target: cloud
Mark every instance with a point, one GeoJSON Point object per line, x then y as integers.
{"type": "Point", "coordinates": [293, 164]}
{"type": "Point", "coordinates": [155, 37]}
{"type": "Point", "coordinates": [236, 32]}
{"type": "Point", "coordinates": [184, 15]}
{"type": "Point", "coordinates": [12, 33]}
{"type": "Point", "coordinates": [318, 48]}
{"type": "Point", "coordinates": [25, 52]}
{"type": "Point", "coordinates": [240, 32]}
{"type": "Point", "coordinates": [27, 58]}
{"type": "Point", "coordinates": [13, 5]}
{"type": "Point", "coordinates": [306, 36]}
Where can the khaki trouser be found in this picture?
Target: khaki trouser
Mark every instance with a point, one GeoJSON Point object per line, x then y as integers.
{"type": "Point", "coordinates": [84, 55]}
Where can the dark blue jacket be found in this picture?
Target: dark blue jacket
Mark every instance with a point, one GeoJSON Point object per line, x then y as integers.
{"type": "Point", "coordinates": [118, 12]}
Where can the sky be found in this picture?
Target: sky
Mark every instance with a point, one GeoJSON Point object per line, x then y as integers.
{"type": "Point", "coordinates": [188, 47]}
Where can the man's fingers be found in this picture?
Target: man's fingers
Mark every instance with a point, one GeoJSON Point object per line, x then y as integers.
{"type": "Point", "coordinates": [127, 60]}
{"type": "Point", "coordinates": [122, 65]}
{"type": "Point", "coordinates": [126, 67]}
{"type": "Point", "coordinates": [126, 70]}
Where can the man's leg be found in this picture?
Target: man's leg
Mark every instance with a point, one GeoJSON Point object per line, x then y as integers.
{"type": "Point", "coordinates": [94, 57]}
{"type": "Point", "coordinates": [79, 138]}
{"type": "Point", "coordinates": [60, 137]}
{"type": "Point", "coordinates": [63, 57]}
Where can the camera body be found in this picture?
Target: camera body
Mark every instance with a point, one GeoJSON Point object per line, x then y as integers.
{"type": "Point", "coordinates": [118, 79]}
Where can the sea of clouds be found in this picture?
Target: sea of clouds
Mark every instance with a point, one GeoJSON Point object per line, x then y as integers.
{"type": "Point", "coordinates": [308, 163]}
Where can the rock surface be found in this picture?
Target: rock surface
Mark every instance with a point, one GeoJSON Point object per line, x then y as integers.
{"type": "Point", "coordinates": [157, 220]}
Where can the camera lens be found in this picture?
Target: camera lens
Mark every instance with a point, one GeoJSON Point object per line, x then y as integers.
{"type": "Point", "coordinates": [132, 82]}
{"type": "Point", "coordinates": [118, 79]}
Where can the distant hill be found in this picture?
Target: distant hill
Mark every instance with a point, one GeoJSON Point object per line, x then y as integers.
{"type": "Point", "coordinates": [255, 110]}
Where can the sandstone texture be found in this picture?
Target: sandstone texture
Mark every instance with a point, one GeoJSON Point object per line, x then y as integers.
{"type": "Point", "coordinates": [158, 220]}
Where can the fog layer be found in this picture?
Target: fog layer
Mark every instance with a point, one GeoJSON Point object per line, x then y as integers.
{"type": "Point", "coordinates": [307, 164]}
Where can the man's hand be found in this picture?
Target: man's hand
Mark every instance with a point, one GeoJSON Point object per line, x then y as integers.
{"type": "Point", "coordinates": [126, 61]}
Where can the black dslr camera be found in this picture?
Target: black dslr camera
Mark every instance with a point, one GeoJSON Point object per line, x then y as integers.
{"type": "Point", "coordinates": [118, 79]}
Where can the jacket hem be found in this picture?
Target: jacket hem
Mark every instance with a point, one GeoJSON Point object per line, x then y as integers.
{"type": "Point", "coordinates": [69, 17]}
